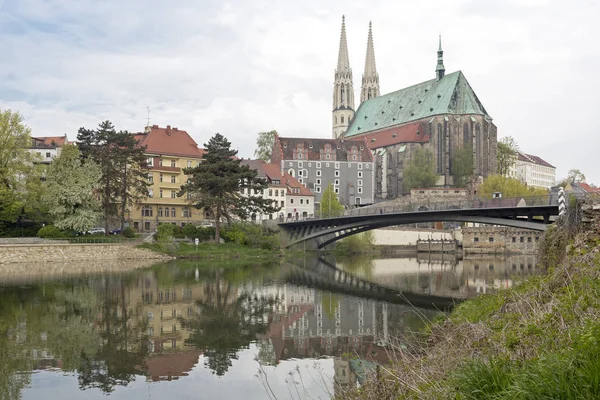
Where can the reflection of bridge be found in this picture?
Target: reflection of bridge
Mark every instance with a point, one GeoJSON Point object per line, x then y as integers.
{"type": "Point", "coordinates": [527, 213]}
{"type": "Point", "coordinates": [325, 276]}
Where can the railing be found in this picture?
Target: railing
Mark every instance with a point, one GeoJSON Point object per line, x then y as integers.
{"type": "Point", "coordinates": [411, 207]}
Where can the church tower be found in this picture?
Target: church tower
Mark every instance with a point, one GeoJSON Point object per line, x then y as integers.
{"type": "Point", "coordinates": [370, 78]}
{"type": "Point", "coordinates": [343, 89]}
{"type": "Point", "coordinates": [440, 70]}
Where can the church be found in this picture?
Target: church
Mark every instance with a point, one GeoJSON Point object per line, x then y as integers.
{"type": "Point", "coordinates": [442, 114]}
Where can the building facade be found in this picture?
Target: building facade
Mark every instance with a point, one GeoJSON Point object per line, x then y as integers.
{"type": "Point", "coordinates": [534, 171]}
{"type": "Point", "coordinates": [47, 148]}
{"type": "Point", "coordinates": [443, 115]}
{"type": "Point", "coordinates": [316, 163]}
{"type": "Point", "coordinates": [169, 150]}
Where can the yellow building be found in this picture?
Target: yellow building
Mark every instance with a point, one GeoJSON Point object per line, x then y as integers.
{"type": "Point", "coordinates": [169, 151]}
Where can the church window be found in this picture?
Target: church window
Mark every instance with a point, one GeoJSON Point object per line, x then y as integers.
{"type": "Point", "coordinates": [292, 173]}
{"type": "Point", "coordinates": [342, 119]}
{"type": "Point", "coordinates": [466, 135]}
{"type": "Point", "coordinates": [476, 145]}
{"type": "Point", "coordinates": [369, 94]}
{"type": "Point", "coordinates": [440, 148]}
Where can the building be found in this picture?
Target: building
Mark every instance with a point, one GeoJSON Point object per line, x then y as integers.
{"type": "Point", "coordinates": [293, 198]}
{"type": "Point", "coordinates": [169, 150]}
{"type": "Point", "coordinates": [47, 148]}
{"type": "Point", "coordinates": [534, 171]}
{"type": "Point", "coordinates": [316, 163]}
{"type": "Point", "coordinates": [442, 114]}
{"type": "Point", "coordinates": [581, 188]}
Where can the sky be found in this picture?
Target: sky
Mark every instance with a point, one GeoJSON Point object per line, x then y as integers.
{"type": "Point", "coordinates": [241, 67]}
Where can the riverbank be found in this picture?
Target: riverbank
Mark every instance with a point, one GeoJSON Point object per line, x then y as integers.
{"type": "Point", "coordinates": [540, 339]}
{"type": "Point", "coordinates": [209, 250]}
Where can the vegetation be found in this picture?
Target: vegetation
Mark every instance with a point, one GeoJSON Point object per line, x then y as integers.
{"type": "Point", "coordinates": [70, 191]}
{"type": "Point", "coordinates": [506, 155]}
{"type": "Point", "coordinates": [216, 185]}
{"type": "Point", "coordinates": [361, 243]}
{"type": "Point", "coordinates": [330, 205]}
{"type": "Point", "coordinates": [462, 167]}
{"type": "Point", "coordinates": [264, 145]}
{"type": "Point", "coordinates": [509, 187]}
{"type": "Point", "coordinates": [420, 170]}
{"type": "Point", "coordinates": [123, 169]}
{"type": "Point", "coordinates": [574, 176]}
{"type": "Point", "coordinates": [50, 232]}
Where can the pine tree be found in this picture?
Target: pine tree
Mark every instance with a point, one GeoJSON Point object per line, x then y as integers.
{"type": "Point", "coordinates": [123, 168]}
{"type": "Point", "coordinates": [216, 185]}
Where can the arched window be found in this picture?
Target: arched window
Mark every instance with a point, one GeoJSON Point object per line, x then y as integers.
{"type": "Point", "coordinates": [342, 119]}
{"type": "Point", "coordinates": [160, 211]}
{"type": "Point", "coordinates": [147, 211]}
{"type": "Point", "coordinates": [466, 140]}
{"type": "Point", "coordinates": [335, 120]}
{"type": "Point", "coordinates": [292, 173]}
{"type": "Point", "coordinates": [167, 212]}
{"type": "Point", "coordinates": [343, 96]}
{"type": "Point", "coordinates": [389, 159]}
{"type": "Point", "coordinates": [173, 212]}
{"type": "Point", "coordinates": [477, 146]}
{"type": "Point", "coordinates": [440, 149]}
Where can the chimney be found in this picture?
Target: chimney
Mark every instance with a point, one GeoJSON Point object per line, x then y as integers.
{"type": "Point", "coordinates": [169, 130]}
{"type": "Point", "coordinates": [175, 128]}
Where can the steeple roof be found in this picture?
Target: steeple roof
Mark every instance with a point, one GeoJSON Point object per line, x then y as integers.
{"type": "Point", "coordinates": [370, 68]}
{"type": "Point", "coordinates": [343, 64]}
{"type": "Point", "coordinates": [451, 94]}
{"type": "Point", "coordinates": [440, 70]}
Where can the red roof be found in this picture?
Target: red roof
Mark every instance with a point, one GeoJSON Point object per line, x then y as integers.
{"type": "Point", "coordinates": [533, 159]}
{"type": "Point", "coordinates": [291, 182]}
{"type": "Point", "coordinates": [51, 141]}
{"type": "Point", "coordinates": [316, 148]}
{"type": "Point", "coordinates": [409, 133]}
{"type": "Point", "coordinates": [169, 141]}
{"type": "Point", "coordinates": [588, 188]}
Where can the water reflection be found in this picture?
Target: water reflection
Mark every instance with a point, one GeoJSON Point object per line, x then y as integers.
{"type": "Point", "coordinates": [112, 332]}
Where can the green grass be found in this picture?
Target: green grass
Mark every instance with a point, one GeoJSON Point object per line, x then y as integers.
{"type": "Point", "coordinates": [209, 250]}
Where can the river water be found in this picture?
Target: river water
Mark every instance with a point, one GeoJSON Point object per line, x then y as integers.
{"type": "Point", "coordinates": [192, 330]}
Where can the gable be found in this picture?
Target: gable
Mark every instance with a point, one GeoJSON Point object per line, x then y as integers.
{"type": "Point", "coordinates": [450, 95]}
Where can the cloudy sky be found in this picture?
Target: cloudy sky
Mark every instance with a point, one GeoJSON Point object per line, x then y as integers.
{"type": "Point", "coordinates": [241, 67]}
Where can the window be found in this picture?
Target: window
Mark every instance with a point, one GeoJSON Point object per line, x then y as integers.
{"type": "Point", "coordinates": [337, 165]}
{"type": "Point", "coordinates": [336, 190]}
{"type": "Point", "coordinates": [150, 178]}
{"type": "Point", "coordinates": [359, 190]}
{"type": "Point", "coordinates": [318, 165]}
{"type": "Point", "coordinates": [318, 181]}
{"type": "Point", "coordinates": [307, 201]}
{"type": "Point", "coordinates": [360, 182]}
{"type": "Point", "coordinates": [491, 239]}
{"type": "Point", "coordinates": [300, 172]}
{"type": "Point", "coordinates": [337, 182]}
{"type": "Point", "coordinates": [291, 201]}
{"type": "Point", "coordinates": [337, 173]}
{"type": "Point", "coordinates": [318, 172]}
{"type": "Point", "coordinates": [173, 178]}
{"type": "Point", "coordinates": [48, 155]}
{"type": "Point", "coordinates": [161, 194]}
{"type": "Point", "coordinates": [300, 156]}
{"type": "Point", "coordinates": [359, 165]}
{"type": "Point", "coordinates": [147, 211]}
{"type": "Point", "coordinates": [166, 212]}
{"type": "Point", "coordinates": [328, 156]}
{"type": "Point", "coordinates": [173, 163]}
{"type": "Point", "coordinates": [160, 162]}
{"type": "Point", "coordinates": [514, 239]}
{"type": "Point", "coordinates": [161, 177]}
{"type": "Point", "coordinates": [300, 164]}
{"type": "Point", "coordinates": [282, 203]}
{"type": "Point", "coordinates": [189, 164]}
{"type": "Point", "coordinates": [360, 174]}
{"type": "Point", "coordinates": [173, 194]}
{"type": "Point", "coordinates": [186, 212]}
{"type": "Point", "coordinates": [150, 192]}
{"type": "Point", "coordinates": [270, 192]}
{"type": "Point", "coordinates": [150, 161]}
{"type": "Point", "coordinates": [160, 211]}
{"type": "Point", "coordinates": [291, 164]}
{"type": "Point", "coordinates": [317, 189]}
{"type": "Point", "coordinates": [476, 239]}
{"type": "Point", "coordinates": [326, 165]}
{"type": "Point", "coordinates": [521, 239]}
{"type": "Point", "coordinates": [301, 201]}
{"type": "Point", "coordinates": [173, 213]}
{"type": "Point", "coordinates": [529, 239]}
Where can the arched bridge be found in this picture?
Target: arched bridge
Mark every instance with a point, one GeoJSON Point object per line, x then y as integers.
{"type": "Point", "coordinates": [522, 212]}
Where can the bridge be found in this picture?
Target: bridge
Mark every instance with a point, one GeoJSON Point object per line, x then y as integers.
{"type": "Point", "coordinates": [522, 212]}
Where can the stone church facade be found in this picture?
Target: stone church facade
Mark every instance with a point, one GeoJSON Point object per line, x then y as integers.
{"type": "Point", "coordinates": [443, 115]}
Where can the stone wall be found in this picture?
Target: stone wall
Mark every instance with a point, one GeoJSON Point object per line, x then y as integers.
{"type": "Point", "coordinates": [45, 253]}
{"type": "Point", "coordinates": [498, 240]}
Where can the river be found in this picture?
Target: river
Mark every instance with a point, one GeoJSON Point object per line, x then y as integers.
{"type": "Point", "coordinates": [189, 330]}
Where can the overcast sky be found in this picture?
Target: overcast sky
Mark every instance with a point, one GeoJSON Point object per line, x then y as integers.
{"type": "Point", "coordinates": [241, 67]}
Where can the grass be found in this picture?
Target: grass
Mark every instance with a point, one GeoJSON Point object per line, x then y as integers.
{"type": "Point", "coordinates": [537, 340]}
{"type": "Point", "coordinates": [209, 250]}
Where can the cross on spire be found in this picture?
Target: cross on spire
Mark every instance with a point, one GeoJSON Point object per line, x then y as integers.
{"type": "Point", "coordinates": [440, 70]}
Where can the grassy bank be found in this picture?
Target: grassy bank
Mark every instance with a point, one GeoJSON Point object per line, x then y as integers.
{"type": "Point", "coordinates": [539, 340]}
{"type": "Point", "coordinates": [228, 250]}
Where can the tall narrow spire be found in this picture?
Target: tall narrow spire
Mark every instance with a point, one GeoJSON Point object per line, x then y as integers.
{"type": "Point", "coordinates": [370, 78]}
{"type": "Point", "coordinates": [343, 89]}
{"type": "Point", "coordinates": [440, 70]}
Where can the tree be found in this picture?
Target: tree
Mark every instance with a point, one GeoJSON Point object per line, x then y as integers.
{"type": "Point", "coordinates": [330, 205]}
{"type": "Point", "coordinates": [123, 168]}
{"type": "Point", "coordinates": [15, 139]}
{"type": "Point", "coordinates": [574, 176]}
{"type": "Point", "coordinates": [509, 187]}
{"type": "Point", "coordinates": [71, 191]}
{"type": "Point", "coordinates": [420, 170]}
{"type": "Point", "coordinates": [216, 185]}
{"type": "Point", "coordinates": [462, 166]}
{"type": "Point", "coordinates": [264, 145]}
{"type": "Point", "coordinates": [507, 152]}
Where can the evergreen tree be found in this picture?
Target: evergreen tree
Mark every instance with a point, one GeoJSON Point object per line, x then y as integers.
{"type": "Point", "coordinates": [217, 184]}
{"type": "Point", "coordinates": [330, 205]}
{"type": "Point", "coordinates": [123, 168]}
{"type": "Point", "coordinates": [462, 166]}
{"type": "Point", "coordinates": [70, 193]}
{"type": "Point", "coordinates": [420, 170]}
{"type": "Point", "coordinates": [264, 145]}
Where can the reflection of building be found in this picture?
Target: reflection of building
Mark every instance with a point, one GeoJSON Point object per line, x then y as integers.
{"type": "Point", "coordinates": [167, 367]}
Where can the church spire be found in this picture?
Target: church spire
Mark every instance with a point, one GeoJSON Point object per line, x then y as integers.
{"type": "Point", "coordinates": [370, 78]}
{"type": "Point", "coordinates": [439, 69]}
{"type": "Point", "coordinates": [343, 88]}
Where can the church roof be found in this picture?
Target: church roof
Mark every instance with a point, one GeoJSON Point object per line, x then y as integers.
{"type": "Point", "coordinates": [450, 95]}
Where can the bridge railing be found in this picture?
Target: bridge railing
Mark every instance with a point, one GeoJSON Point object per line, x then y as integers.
{"type": "Point", "coordinates": [417, 206]}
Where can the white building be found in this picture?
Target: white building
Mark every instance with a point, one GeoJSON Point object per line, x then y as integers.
{"type": "Point", "coordinates": [300, 203]}
{"type": "Point", "coordinates": [534, 171]}
{"type": "Point", "coordinates": [47, 148]}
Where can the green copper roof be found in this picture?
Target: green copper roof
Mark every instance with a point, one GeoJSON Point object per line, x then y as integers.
{"type": "Point", "coordinates": [450, 95]}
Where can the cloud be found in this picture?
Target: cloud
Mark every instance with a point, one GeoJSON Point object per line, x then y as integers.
{"type": "Point", "coordinates": [242, 67]}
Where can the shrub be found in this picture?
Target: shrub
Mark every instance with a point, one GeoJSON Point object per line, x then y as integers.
{"type": "Point", "coordinates": [178, 232]}
{"type": "Point", "coordinates": [205, 233]}
{"type": "Point", "coordinates": [165, 232]}
{"type": "Point", "coordinates": [190, 231]}
{"type": "Point", "coordinates": [50, 232]}
{"type": "Point", "coordinates": [128, 232]}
